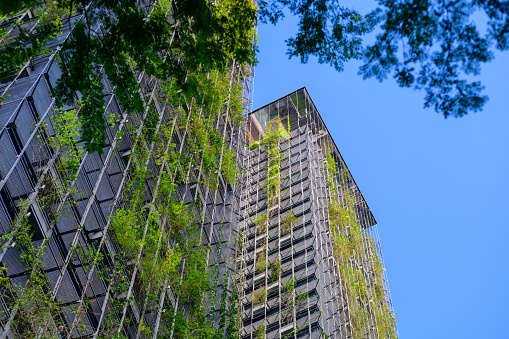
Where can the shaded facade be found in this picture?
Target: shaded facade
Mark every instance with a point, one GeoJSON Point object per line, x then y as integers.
{"type": "Point", "coordinates": [90, 286]}
{"type": "Point", "coordinates": [292, 285]}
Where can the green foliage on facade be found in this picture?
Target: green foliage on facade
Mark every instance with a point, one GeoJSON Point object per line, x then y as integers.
{"type": "Point", "coordinates": [358, 262]}
{"type": "Point", "coordinates": [273, 134]}
{"type": "Point", "coordinates": [160, 240]}
{"type": "Point", "coordinates": [36, 312]}
{"type": "Point", "coordinates": [260, 333]}
{"type": "Point", "coordinates": [276, 270]}
{"type": "Point", "coordinates": [287, 223]}
{"type": "Point", "coordinates": [259, 296]}
{"type": "Point", "coordinates": [261, 223]}
{"type": "Point", "coordinates": [261, 262]}
{"type": "Point", "coordinates": [198, 59]}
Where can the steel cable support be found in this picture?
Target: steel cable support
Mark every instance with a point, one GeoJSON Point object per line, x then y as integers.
{"type": "Point", "coordinates": [151, 207]}
{"type": "Point", "coordinates": [166, 282]}
{"type": "Point", "coordinates": [49, 233]}
{"type": "Point", "coordinates": [243, 249]}
{"type": "Point", "coordinates": [374, 245]}
{"type": "Point", "coordinates": [91, 199]}
{"type": "Point", "coordinates": [34, 132]}
{"type": "Point", "coordinates": [2, 129]}
{"type": "Point", "coordinates": [186, 131]}
{"type": "Point", "coordinates": [323, 245]}
{"type": "Point", "coordinates": [31, 199]}
{"type": "Point", "coordinates": [163, 293]}
{"type": "Point", "coordinates": [106, 299]}
{"type": "Point", "coordinates": [69, 256]}
{"type": "Point", "coordinates": [355, 263]}
{"type": "Point", "coordinates": [105, 230]}
{"type": "Point", "coordinates": [314, 176]}
{"type": "Point", "coordinates": [248, 182]}
{"type": "Point", "coordinates": [326, 244]}
{"type": "Point", "coordinates": [203, 213]}
{"type": "Point", "coordinates": [145, 303]}
{"type": "Point", "coordinates": [103, 308]}
{"type": "Point", "coordinates": [343, 293]}
{"type": "Point", "coordinates": [369, 261]}
{"type": "Point", "coordinates": [34, 194]}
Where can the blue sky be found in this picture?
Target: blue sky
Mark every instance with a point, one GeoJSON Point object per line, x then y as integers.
{"type": "Point", "coordinates": [438, 188]}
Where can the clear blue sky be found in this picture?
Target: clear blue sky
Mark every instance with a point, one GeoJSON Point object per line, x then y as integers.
{"type": "Point", "coordinates": [438, 188]}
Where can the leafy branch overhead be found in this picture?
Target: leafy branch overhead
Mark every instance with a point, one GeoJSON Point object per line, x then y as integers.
{"type": "Point", "coordinates": [187, 38]}
{"type": "Point", "coordinates": [427, 45]}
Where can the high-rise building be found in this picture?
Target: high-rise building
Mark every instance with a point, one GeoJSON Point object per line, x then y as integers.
{"type": "Point", "coordinates": [191, 221]}
{"type": "Point", "coordinates": [135, 242]}
{"type": "Point", "coordinates": [310, 260]}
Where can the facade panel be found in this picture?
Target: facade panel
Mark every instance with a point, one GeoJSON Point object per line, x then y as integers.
{"type": "Point", "coordinates": [294, 276]}
{"type": "Point", "coordinates": [70, 269]}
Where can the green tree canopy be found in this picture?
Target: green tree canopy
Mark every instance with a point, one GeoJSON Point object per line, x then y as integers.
{"type": "Point", "coordinates": [433, 45]}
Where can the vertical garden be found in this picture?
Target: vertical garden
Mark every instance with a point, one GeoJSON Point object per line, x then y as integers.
{"type": "Point", "coordinates": [146, 98]}
{"type": "Point", "coordinates": [357, 260]}
{"type": "Point", "coordinates": [310, 266]}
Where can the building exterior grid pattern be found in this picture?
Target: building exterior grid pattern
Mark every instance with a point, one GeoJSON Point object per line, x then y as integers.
{"type": "Point", "coordinates": [27, 161]}
{"type": "Point", "coordinates": [306, 252]}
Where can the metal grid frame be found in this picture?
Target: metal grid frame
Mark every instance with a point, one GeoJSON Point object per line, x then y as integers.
{"type": "Point", "coordinates": [306, 253]}
{"type": "Point", "coordinates": [26, 158]}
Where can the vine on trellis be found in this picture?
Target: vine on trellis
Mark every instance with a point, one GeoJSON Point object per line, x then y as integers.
{"type": "Point", "coordinates": [288, 222]}
{"type": "Point", "coordinates": [35, 312]}
{"type": "Point", "coordinates": [259, 295]}
{"type": "Point", "coordinates": [261, 262]}
{"type": "Point", "coordinates": [274, 132]}
{"type": "Point", "coordinates": [276, 270]}
{"type": "Point", "coordinates": [144, 233]}
{"type": "Point", "coordinates": [358, 262]}
{"type": "Point", "coordinates": [260, 333]}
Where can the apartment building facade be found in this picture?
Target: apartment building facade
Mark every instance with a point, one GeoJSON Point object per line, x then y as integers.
{"type": "Point", "coordinates": [105, 245]}
{"type": "Point", "coordinates": [294, 285]}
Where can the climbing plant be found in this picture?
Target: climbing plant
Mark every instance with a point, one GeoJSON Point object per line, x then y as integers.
{"type": "Point", "coordinates": [260, 333]}
{"type": "Point", "coordinates": [288, 301]}
{"type": "Point", "coordinates": [357, 260]}
{"type": "Point", "coordinates": [288, 222]}
{"type": "Point", "coordinates": [276, 270]}
{"type": "Point", "coordinates": [261, 223]}
{"type": "Point", "coordinates": [259, 295]}
{"type": "Point", "coordinates": [204, 40]}
{"type": "Point", "coordinates": [261, 262]}
{"type": "Point", "coordinates": [34, 311]}
{"type": "Point", "coordinates": [67, 133]}
{"type": "Point", "coordinates": [198, 58]}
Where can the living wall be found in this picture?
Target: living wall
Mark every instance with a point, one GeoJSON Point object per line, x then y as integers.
{"type": "Point", "coordinates": [197, 57]}
{"type": "Point", "coordinates": [34, 313]}
{"type": "Point", "coordinates": [358, 262]}
{"type": "Point", "coordinates": [274, 134]}
{"type": "Point", "coordinates": [187, 41]}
